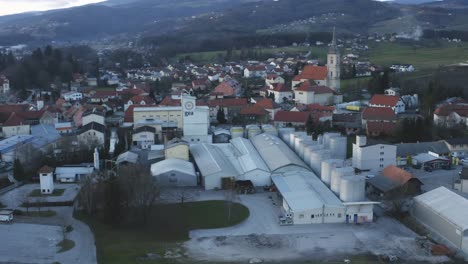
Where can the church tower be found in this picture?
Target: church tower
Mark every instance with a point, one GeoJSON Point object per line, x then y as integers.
{"type": "Point", "coordinates": [333, 65]}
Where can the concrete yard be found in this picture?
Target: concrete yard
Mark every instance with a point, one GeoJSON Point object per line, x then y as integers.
{"type": "Point", "coordinates": [436, 178]}
{"type": "Point", "coordinates": [14, 198]}
{"type": "Point", "coordinates": [260, 236]}
{"type": "Point", "coordinates": [29, 243]}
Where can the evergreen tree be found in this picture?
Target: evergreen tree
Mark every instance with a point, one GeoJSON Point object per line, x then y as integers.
{"type": "Point", "coordinates": [220, 116]}
{"type": "Point", "coordinates": [18, 170]}
{"type": "Point", "coordinates": [310, 125]}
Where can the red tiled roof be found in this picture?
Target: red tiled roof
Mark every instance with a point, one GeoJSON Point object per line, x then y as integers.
{"type": "Point", "coordinates": [227, 102]}
{"type": "Point", "coordinates": [320, 108]}
{"type": "Point", "coordinates": [280, 87]}
{"type": "Point", "coordinates": [381, 128]}
{"type": "Point", "coordinates": [379, 113]}
{"type": "Point", "coordinates": [267, 103]}
{"type": "Point", "coordinates": [14, 120]}
{"type": "Point", "coordinates": [396, 174]}
{"type": "Point", "coordinates": [293, 117]}
{"type": "Point", "coordinates": [314, 72]}
{"type": "Point", "coordinates": [168, 101]}
{"type": "Point", "coordinates": [381, 99]}
{"type": "Point", "coordinates": [445, 110]}
{"type": "Point", "coordinates": [225, 89]}
{"type": "Point", "coordinates": [45, 169]}
{"type": "Point", "coordinates": [317, 89]}
{"type": "Point", "coordinates": [142, 98]}
{"type": "Point", "coordinates": [128, 116]}
{"type": "Point", "coordinates": [256, 67]}
{"type": "Point", "coordinates": [254, 110]}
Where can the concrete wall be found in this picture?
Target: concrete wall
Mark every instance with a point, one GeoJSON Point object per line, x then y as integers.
{"type": "Point", "coordinates": [176, 179]}
{"type": "Point", "coordinates": [16, 130]}
{"type": "Point", "coordinates": [371, 157]}
{"type": "Point", "coordinates": [165, 115]}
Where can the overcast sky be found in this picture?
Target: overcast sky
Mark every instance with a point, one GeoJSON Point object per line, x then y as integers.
{"type": "Point", "coordinates": [9, 7]}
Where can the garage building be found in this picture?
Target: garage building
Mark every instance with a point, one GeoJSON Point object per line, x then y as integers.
{"type": "Point", "coordinates": [175, 173]}
{"type": "Point", "coordinates": [445, 213]}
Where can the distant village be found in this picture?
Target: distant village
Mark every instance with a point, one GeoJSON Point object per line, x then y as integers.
{"type": "Point", "coordinates": [265, 125]}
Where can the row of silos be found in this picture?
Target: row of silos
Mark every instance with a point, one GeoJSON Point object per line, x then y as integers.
{"type": "Point", "coordinates": [284, 133]}
{"type": "Point", "coordinates": [269, 129]}
{"type": "Point", "coordinates": [237, 132]}
{"type": "Point", "coordinates": [252, 131]}
{"type": "Point", "coordinates": [345, 183]}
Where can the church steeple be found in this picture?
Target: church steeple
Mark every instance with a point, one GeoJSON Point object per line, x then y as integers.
{"type": "Point", "coordinates": [333, 49]}
{"type": "Point", "coordinates": [333, 65]}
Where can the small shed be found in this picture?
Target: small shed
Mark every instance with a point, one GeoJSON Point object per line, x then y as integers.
{"type": "Point", "coordinates": [177, 148]}
{"type": "Point", "coordinates": [127, 157]}
{"type": "Point", "coordinates": [175, 173]}
{"type": "Point", "coordinates": [394, 182]}
{"type": "Point", "coordinates": [73, 173]}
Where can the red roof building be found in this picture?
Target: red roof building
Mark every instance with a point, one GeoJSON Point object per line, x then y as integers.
{"type": "Point", "coordinates": [378, 114]}
{"type": "Point", "coordinates": [291, 118]}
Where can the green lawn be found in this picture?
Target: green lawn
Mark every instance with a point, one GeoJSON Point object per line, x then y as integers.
{"type": "Point", "coordinates": [421, 57]}
{"type": "Point", "coordinates": [168, 226]}
{"type": "Point", "coordinates": [211, 56]}
{"type": "Point", "coordinates": [37, 193]}
{"type": "Point", "coordinates": [65, 245]}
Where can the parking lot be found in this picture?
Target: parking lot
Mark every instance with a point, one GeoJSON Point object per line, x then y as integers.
{"type": "Point", "coordinates": [437, 178]}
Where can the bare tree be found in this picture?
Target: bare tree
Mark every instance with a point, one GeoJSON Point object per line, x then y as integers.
{"type": "Point", "coordinates": [183, 194]}
{"type": "Point", "coordinates": [88, 194]}
{"type": "Point", "coordinates": [231, 197]}
{"type": "Point", "coordinates": [139, 190]}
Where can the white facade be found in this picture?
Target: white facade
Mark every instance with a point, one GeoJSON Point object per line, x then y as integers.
{"type": "Point", "coordinates": [72, 173]}
{"type": "Point", "coordinates": [93, 117]}
{"type": "Point", "coordinates": [372, 158]}
{"type": "Point", "coordinates": [196, 121]}
{"type": "Point", "coordinates": [10, 131]}
{"type": "Point", "coordinates": [174, 172]}
{"type": "Point", "coordinates": [46, 182]}
{"type": "Point", "coordinates": [92, 136]}
{"type": "Point", "coordinates": [143, 139]}
{"type": "Point", "coordinates": [72, 96]}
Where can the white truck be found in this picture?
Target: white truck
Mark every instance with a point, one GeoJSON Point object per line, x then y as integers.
{"type": "Point", "coordinates": [6, 216]}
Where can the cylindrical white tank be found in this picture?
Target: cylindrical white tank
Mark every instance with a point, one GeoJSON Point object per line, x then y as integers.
{"type": "Point", "coordinates": [298, 141]}
{"type": "Point", "coordinates": [361, 140]}
{"type": "Point", "coordinates": [352, 189]}
{"type": "Point", "coordinates": [338, 146]}
{"type": "Point", "coordinates": [237, 132]}
{"type": "Point", "coordinates": [327, 136]}
{"type": "Point", "coordinates": [307, 150]}
{"type": "Point", "coordinates": [293, 136]}
{"type": "Point", "coordinates": [320, 139]}
{"type": "Point", "coordinates": [269, 129]}
{"type": "Point", "coordinates": [327, 167]}
{"type": "Point", "coordinates": [305, 144]}
{"type": "Point", "coordinates": [316, 158]}
{"type": "Point", "coordinates": [284, 133]}
{"type": "Point", "coordinates": [252, 131]}
{"type": "Point", "coordinates": [336, 175]}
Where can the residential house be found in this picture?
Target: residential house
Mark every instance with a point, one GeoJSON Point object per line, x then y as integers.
{"type": "Point", "coordinates": [272, 79]}
{"type": "Point", "coordinates": [393, 102]}
{"type": "Point", "coordinates": [394, 182]}
{"type": "Point", "coordinates": [73, 173]}
{"type": "Point", "coordinates": [199, 84]}
{"type": "Point", "coordinates": [280, 92]}
{"type": "Point", "coordinates": [4, 84]}
{"type": "Point", "coordinates": [92, 133]}
{"type": "Point", "coordinates": [13, 124]}
{"type": "Point", "coordinates": [291, 119]}
{"type": "Point", "coordinates": [144, 136]}
{"type": "Point", "coordinates": [72, 96]}
{"type": "Point", "coordinates": [229, 87]}
{"type": "Point", "coordinates": [139, 100]}
{"type": "Point", "coordinates": [270, 106]}
{"type": "Point", "coordinates": [317, 74]}
{"type": "Point", "coordinates": [373, 157]}
{"type": "Point", "coordinates": [254, 114]}
{"type": "Point", "coordinates": [431, 161]}
{"type": "Point", "coordinates": [255, 71]}
{"type": "Point", "coordinates": [230, 106]}
{"type": "Point", "coordinates": [402, 68]}
{"type": "Point", "coordinates": [46, 179]}
{"type": "Point", "coordinates": [93, 115]}
{"type": "Point", "coordinates": [451, 115]}
{"type": "Point", "coordinates": [309, 93]}
{"type": "Point", "coordinates": [351, 122]}
{"type": "Point", "coordinates": [379, 121]}
{"type": "Point", "coordinates": [64, 127]}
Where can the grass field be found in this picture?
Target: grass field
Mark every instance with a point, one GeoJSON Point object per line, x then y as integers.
{"type": "Point", "coordinates": [168, 227]}
{"type": "Point", "coordinates": [211, 56]}
{"type": "Point", "coordinates": [421, 57]}
{"type": "Point", "coordinates": [37, 193]}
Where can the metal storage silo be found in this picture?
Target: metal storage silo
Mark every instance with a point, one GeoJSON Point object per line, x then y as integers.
{"type": "Point", "coordinates": [307, 150]}
{"type": "Point", "coordinates": [298, 141]}
{"type": "Point", "coordinates": [337, 174]}
{"type": "Point", "coordinates": [237, 132]}
{"type": "Point", "coordinates": [338, 146]}
{"type": "Point", "coordinates": [302, 148]}
{"type": "Point", "coordinates": [352, 189]}
{"type": "Point", "coordinates": [320, 139]}
{"type": "Point", "coordinates": [327, 167]}
{"type": "Point", "coordinates": [316, 158]}
{"type": "Point", "coordinates": [327, 136]}
{"type": "Point", "coordinates": [293, 136]}
{"type": "Point", "coordinates": [284, 133]}
{"type": "Point", "coordinates": [269, 129]}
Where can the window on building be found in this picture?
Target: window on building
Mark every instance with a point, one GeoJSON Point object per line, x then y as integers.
{"type": "Point", "coordinates": [339, 215]}
{"type": "Point", "coordinates": [381, 165]}
{"type": "Point", "coordinates": [43, 190]}
{"type": "Point", "coordinates": [312, 216]}
{"type": "Point", "coordinates": [381, 153]}
{"type": "Point", "coordinates": [381, 159]}
{"type": "Point", "coordinates": [301, 216]}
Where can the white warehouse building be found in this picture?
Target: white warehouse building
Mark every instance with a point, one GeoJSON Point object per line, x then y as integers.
{"type": "Point", "coordinates": [175, 173]}
{"type": "Point", "coordinates": [445, 213]}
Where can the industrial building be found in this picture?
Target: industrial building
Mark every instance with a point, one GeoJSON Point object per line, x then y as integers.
{"type": "Point", "coordinates": [372, 158]}
{"type": "Point", "coordinates": [445, 213]}
{"type": "Point", "coordinates": [175, 173]}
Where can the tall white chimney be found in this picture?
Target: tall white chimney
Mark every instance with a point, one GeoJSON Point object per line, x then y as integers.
{"type": "Point", "coordinates": [96, 159]}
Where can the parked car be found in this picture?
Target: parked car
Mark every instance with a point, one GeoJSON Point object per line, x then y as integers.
{"type": "Point", "coordinates": [6, 216]}
{"type": "Point", "coordinates": [464, 161]}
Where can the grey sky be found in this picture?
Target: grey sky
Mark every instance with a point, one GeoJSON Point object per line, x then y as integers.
{"type": "Point", "coordinates": [20, 6]}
